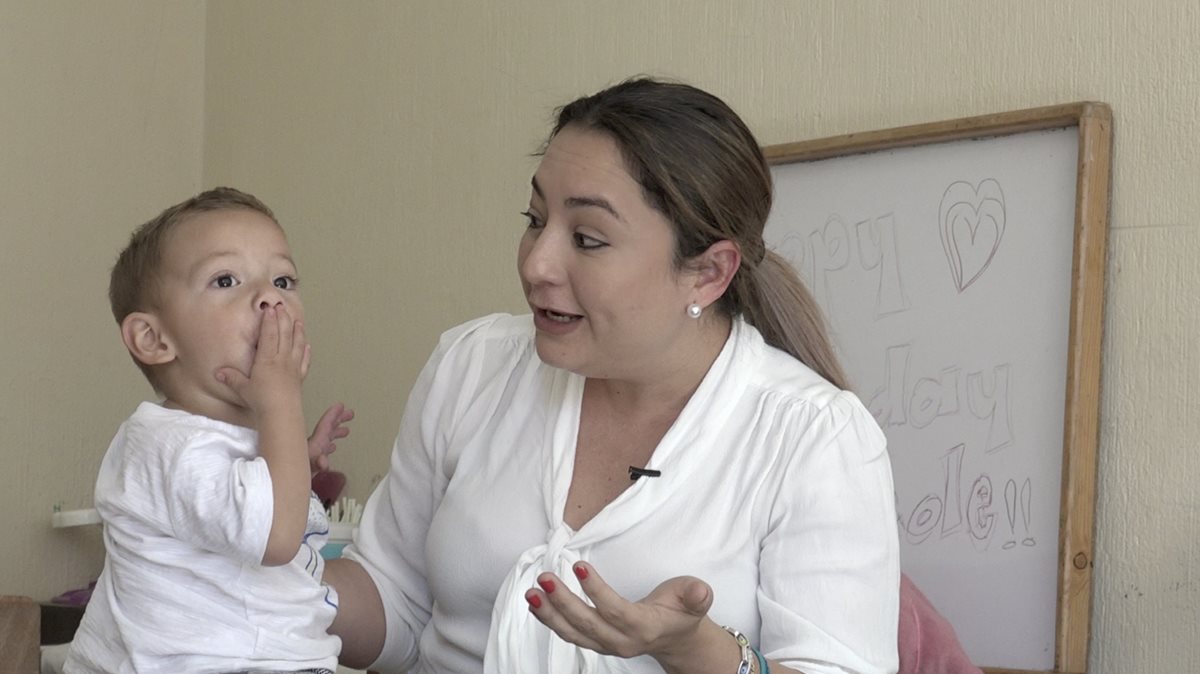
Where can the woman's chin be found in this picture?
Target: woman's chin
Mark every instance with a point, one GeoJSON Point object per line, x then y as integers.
{"type": "Point", "coordinates": [553, 353]}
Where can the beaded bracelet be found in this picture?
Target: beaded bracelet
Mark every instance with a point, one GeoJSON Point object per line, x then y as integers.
{"type": "Point", "coordinates": [744, 666]}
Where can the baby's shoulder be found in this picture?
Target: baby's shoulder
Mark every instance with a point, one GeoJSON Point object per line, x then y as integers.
{"type": "Point", "coordinates": [164, 433]}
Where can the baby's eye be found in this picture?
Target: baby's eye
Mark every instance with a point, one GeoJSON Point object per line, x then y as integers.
{"type": "Point", "coordinates": [225, 281]}
{"type": "Point", "coordinates": [286, 282]}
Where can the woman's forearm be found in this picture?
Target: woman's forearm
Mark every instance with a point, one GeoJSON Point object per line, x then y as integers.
{"type": "Point", "coordinates": [360, 622]}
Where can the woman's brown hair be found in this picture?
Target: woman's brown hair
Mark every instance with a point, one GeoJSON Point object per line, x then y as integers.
{"type": "Point", "coordinates": [700, 166]}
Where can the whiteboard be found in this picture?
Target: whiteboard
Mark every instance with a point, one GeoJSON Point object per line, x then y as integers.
{"type": "Point", "coordinates": [947, 272]}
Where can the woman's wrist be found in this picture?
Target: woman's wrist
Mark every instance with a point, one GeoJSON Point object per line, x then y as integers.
{"type": "Point", "coordinates": [746, 664]}
{"type": "Point", "coordinates": [709, 649]}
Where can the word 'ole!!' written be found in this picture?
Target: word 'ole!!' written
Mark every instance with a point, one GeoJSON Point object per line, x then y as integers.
{"type": "Point", "coordinates": [949, 513]}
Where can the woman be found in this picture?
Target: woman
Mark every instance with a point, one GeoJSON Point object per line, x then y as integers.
{"type": "Point", "coordinates": [662, 449]}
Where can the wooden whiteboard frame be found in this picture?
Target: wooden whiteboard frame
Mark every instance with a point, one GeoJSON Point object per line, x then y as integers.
{"type": "Point", "coordinates": [1081, 412]}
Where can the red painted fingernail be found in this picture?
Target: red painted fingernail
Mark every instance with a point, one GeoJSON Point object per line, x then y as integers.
{"type": "Point", "coordinates": [547, 585]}
{"type": "Point", "coordinates": [534, 600]}
{"type": "Point", "coordinates": [581, 573]}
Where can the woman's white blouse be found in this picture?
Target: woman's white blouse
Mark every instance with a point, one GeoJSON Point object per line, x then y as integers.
{"type": "Point", "coordinates": [776, 489]}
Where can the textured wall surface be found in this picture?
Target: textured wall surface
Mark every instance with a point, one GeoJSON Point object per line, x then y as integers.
{"type": "Point", "coordinates": [394, 141]}
{"type": "Point", "coordinates": [101, 118]}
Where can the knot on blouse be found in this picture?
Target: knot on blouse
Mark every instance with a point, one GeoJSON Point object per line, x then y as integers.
{"type": "Point", "coordinates": [513, 642]}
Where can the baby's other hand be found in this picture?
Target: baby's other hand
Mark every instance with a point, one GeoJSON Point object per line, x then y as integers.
{"type": "Point", "coordinates": [329, 428]}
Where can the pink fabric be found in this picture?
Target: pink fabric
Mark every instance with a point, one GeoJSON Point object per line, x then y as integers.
{"type": "Point", "coordinates": [328, 486]}
{"type": "Point", "coordinates": [928, 644]}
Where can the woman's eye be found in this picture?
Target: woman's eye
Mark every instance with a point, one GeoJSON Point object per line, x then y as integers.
{"type": "Point", "coordinates": [587, 243]}
{"type": "Point", "coordinates": [285, 283]}
{"type": "Point", "coordinates": [534, 221]}
{"type": "Point", "coordinates": [225, 281]}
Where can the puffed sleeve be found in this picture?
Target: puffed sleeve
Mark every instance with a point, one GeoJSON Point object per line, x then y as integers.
{"type": "Point", "coordinates": [829, 568]}
{"type": "Point", "coordinates": [391, 539]}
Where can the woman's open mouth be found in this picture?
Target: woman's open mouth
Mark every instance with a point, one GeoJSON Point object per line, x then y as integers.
{"type": "Point", "coordinates": [554, 322]}
{"type": "Point", "coordinates": [560, 317]}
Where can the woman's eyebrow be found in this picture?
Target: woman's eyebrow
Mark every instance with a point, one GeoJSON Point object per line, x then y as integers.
{"type": "Point", "coordinates": [581, 201]}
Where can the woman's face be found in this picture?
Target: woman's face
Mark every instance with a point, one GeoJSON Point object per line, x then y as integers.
{"type": "Point", "coordinates": [596, 265]}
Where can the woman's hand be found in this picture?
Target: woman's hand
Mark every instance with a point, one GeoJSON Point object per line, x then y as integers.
{"type": "Point", "coordinates": [666, 624]}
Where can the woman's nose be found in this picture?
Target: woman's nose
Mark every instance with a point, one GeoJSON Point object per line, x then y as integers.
{"type": "Point", "coordinates": [541, 263]}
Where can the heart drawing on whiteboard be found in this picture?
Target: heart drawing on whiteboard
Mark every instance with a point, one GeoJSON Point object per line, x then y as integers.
{"type": "Point", "coordinates": [972, 225]}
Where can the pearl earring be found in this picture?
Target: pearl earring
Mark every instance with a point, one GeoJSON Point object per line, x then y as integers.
{"type": "Point", "coordinates": [694, 310]}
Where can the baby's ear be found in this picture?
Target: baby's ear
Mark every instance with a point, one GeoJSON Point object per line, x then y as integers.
{"type": "Point", "coordinates": [143, 336]}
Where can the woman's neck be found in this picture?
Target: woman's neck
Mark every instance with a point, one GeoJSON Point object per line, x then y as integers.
{"type": "Point", "coordinates": [667, 387]}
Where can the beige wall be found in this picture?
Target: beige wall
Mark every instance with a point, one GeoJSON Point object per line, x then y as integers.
{"type": "Point", "coordinates": [101, 122]}
{"type": "Point", "coordinates": [393, 140]}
